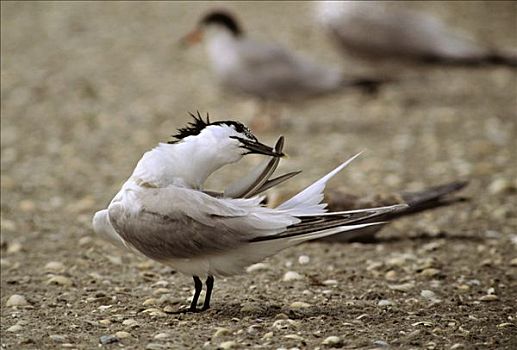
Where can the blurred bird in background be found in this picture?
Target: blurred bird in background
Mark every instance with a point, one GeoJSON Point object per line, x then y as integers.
{"type": "Point", "coordinates": [266, 71]}
{"type": "Point", "coordinates": [381, 31]}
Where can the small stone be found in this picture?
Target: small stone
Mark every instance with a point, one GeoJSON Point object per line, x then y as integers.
{"type": "Point", "coordinates": [221, 331]}
{"type": "Point", "coordinates": [381, 343]}
{"type": "Point", "coordinates": [268, 335]}
{"type": "Point", "coordinates": [428, 294]}
{"type": "Point", "coordinates": [162, 336]}
{"type": "Point", "coordinates": [60, 281]}
{"type": "Point", "coordinates": [457, 346]}
{"type": "Point", "coordinates": [86, 240]}
{"type": "Point", "coordinates": [56, 338]}
{"type": "Point", "coordinates": [505, 325]}
{"type": "Point", "coordinates": [14, 247]}
{"type": "Point", "coordinates": [499, 186]}
{"type": "Point", "coordinates": [299, 305]}
{"type": "Point", "coordinates": [385, 302]}
{"type": "Point", "coordinates": [227, 345]}
{"type": "Point", "coordinates": [15, 328]}
{"type": "Point", "coordinates": [150, 301]}
{"type": "Point", "coordinates": [513, 262]}
{"type": "Point", "coordinates": [55, 266]}
{"type": "Point", "coordinates": [16, 300]}
{"type": "Point", "coordinates": [489, 297]}
{"type": "Point", "coordinates": [105, 322]}
{"type": "Point", "coordinates": [251, 308]}
{"type": "Point", "coordinates": [430, 272]}
{"type": "Point", "coordinates": [122, 335]}
{"type": "Point", "coordinates": [108, 339]}
{"type": "Point", "coordinates": [304, 259]}
{"type": "Point", "coordinates": [490, 290]}
{"type": "Point", "coordinates": [160, 291]}
{"type": "Point", "coordinates": [332, 341]}
{"type": "Point", "coordinates": [330, 282]}
{"type": "Point", "coordinates": [130, 323]}
{"type": "Point", "coordinates": [294, 337]}
{"type": "Point", "coordinates": [391, 275]}
{"type": "Point", "coordinates": [258, 267]}
{"type": "Point", "coordinates": [404, 287]}
{"type": "Point", "coordinates": [291, 276]}
{"type": "Point", "coordinates": [155, 346]}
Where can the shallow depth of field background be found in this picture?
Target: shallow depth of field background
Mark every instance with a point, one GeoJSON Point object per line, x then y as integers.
{"type": "Point", "coordinates": [87, 88]}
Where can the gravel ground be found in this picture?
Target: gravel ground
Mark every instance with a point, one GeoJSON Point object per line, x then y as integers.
{"type": "Point", "coordinates": [88, 87]}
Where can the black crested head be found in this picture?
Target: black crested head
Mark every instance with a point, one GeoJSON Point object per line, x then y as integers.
{"type": "Point", "coordinates": [224, 19]}
{"type": "Point", "coordinates": [239, 127]}
{"type": "Point", "coordinates": [195, 127]}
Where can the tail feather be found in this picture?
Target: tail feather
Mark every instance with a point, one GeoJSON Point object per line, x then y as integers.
{"type": "Point", "coordinates": [308, 201]}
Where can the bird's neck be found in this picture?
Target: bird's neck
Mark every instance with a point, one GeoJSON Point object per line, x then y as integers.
{"type": "Point", "coordinates": [180, 164]}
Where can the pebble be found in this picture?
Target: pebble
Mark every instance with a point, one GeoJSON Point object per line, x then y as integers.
{"type": "Point", "coordinates": [14, 247]}
{"type": "Point", "coordinates": [155, 346]}
{"type": "Point", "coordinates": [26, 205]}
{"type": "Point", "coordinates": [391, 275]}
{"type": "Point", "coordinates": [86, 240]}
{"type": "Point", "coordinates": [258, 267]}
{"type": "Point", "coordinates": [430, 272]}
{"type": "Point", "coordinates": [489, 297]}
{"type": "Point", "coordinates": [428, 294]}
{"type": "Point", "coordinates": [291, 276]}
{"type": "Point", "coordinates": [332, 341]}
{"type": "Point", "coordinates": [299, 305]}
{"type": "Point", "coordinates": [381, 344]}
{"type": "Point", "coordinates": [60, 281]}
{"type": "Point", "coordinates": [404, 287]}
{"type": "Point", "coordinates": [330, 282]}
{"type": "Point", "coordinates": [385, 302]}
{"type": "Point", "coordinates": [55, 266]}
{"type": "Point", "coordinates": [122, 335]}
{"type": "Point", "coordinates": [15, 328]}
{"type": "Point", "coordinates": [16, 300]}
{"type": "Point", "coordinates": [130, 323]}
{"type": "Point", "coordinates": [304, 259]}
{"type": "Point", "coordinates": [108, 339]}
{"type": "Point", "coordinates": [513, 262]}
{"type": "Point", "coordinates": [105, 322]}
{"type": "Point", "coordinates": [457, 346]}
{"type": "Point", "coordinates": [160, 291]}
{"type": "Point", "coordinates": [150, 301]}
{"type": "Point", "coordinates": [284, 324]}
{"type": "Point", "coordinates": [251, 308]}
{"type": "Point", "coordinates": [221, 331]}
{"type": "Point", "coordinates": [162, 336]}
{"type": "Point", "coordinates": [294, 337]}
{"type": "Point", "coordinates": [58, 338]}
{"type": "Point", "coordinates": [499, 186]}
{"type": "Point", "coordinates": [227, 345]}
{"type": "Point", "coordinates": [268, 335]}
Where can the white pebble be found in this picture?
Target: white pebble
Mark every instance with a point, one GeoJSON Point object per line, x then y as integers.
{"type": "Point", "coordinates": [294, 337]}
{"type": "Point", "coordinates": [257, 267]}
{"type": "Point", "coordinates": [385, 302]}
{"type": "Point", "coordinates": [130, 322]}
{"type": "Point", "coordinates": [292, 276]}
{"type": "Point", "coordinates": [162, 336]}
{"type": "Point", "coordinates": [55, 266]}
{"type": "Point", "coordinates": [227, 345]}
{"type": "Point", "coordinates": [330, 282]}
{"type": "Point", "coordinates": [332, 340]}
{"type": "Point", "coordinates": [122, 335]}
{"type": "Point", "coordinates": [221, 331]}
{"type": "Point", "coordinates": [304, 259]}
{"type": "Point", "coordinates": [14, 329]}
{"type": "Point", "coordinates": [404, 287]}
{"type": "Point", "coordinates": [299, 305]}
{"type": "Point", "coordinates": [16, 300]}
{"type": "Point", "coordinates": [428, 294]}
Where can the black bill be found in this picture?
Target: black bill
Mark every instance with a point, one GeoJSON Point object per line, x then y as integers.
{"type": "Point", "coordinates": [254, 146]}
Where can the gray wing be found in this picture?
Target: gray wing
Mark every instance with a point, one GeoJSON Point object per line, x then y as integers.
{"type": "Point", "coordinates": [172, 223]}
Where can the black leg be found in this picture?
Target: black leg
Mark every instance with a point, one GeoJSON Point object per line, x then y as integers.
{"type": "Point", "coordinates": [198, 285]}
{"type": "Point", "coordinates": [209, 287]}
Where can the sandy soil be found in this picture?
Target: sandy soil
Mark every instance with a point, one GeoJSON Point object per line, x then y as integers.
{"type": "Point", "coordinates": [88, 87]}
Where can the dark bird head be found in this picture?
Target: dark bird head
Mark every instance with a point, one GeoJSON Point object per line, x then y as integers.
{"type": "Point", "coordinates": [219, 19]}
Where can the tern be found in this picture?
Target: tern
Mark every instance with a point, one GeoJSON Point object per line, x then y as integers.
{"type": "Point", "coordinates": [381, 31]}
{"type": "Point", "coordinates": [262, 69]}
{"type": "Point", "coordinates": [163, 212]}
